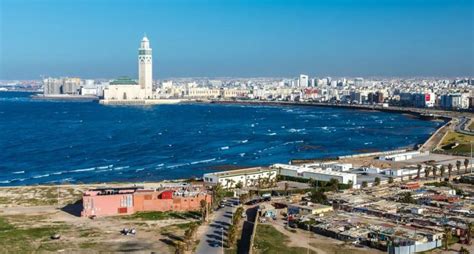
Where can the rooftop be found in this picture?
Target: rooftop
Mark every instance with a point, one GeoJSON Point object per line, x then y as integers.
{"type": "Point", "coordinates": [123, 81]}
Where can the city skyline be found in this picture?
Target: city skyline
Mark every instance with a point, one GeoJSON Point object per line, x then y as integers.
{"type": "Point", "coordinates": [238, 39]}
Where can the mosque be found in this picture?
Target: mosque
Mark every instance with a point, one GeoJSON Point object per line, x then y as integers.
{"type": "Point", "coordinates": [127, 91]}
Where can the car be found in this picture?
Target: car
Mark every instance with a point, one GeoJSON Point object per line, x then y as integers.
{"type": "Point", "coordinates": [221, 205]}
{"type": "Point", "coordinates": [215, 244]}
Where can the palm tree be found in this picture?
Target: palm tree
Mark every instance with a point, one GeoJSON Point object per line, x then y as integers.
{"type": "Point", "coordinates": [442, 170]}
{"type": "Point", "coordinates": [427, 172]}
{"type": "Point", "coordinates": [466, 164]}
{"type": "Point", "coordinates": [450, 169]}
{"type": "Point", "coordinates": [435, 169]}
{"type": "Point", "coordinates": [203, 205]}
{"type": "Point", "coordinates": [418, 167]}
{"type": "Point", "coordinates": [470, 228]}
{"type": "Point", "coordinates": [446, 237]}
{"type": "Point", "coordinates": [458, 166]}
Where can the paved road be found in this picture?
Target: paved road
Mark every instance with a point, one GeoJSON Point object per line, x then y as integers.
{"type": "Point", "coordinates": [211, 240]}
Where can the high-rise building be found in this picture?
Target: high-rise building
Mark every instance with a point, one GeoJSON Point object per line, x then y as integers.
{"type": "Point", "coordinates": [304, 81]}
{"type": "Point", "coordinates": [145, 68]}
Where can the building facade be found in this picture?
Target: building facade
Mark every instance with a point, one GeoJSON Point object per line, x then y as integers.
{"type": "Point", "coordinates": [122, 201]}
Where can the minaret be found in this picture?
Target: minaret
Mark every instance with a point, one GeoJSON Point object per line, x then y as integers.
{"type": "Point", "coordinates": [145, 70]}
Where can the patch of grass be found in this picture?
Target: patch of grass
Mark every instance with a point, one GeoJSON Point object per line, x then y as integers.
{"type": "Point", "coordinates": [464, 146]}
{"type": "Point", "coordinates": [18, 239]}
{"type": "Point", "coordinates": [269, 240]}
{"type": "Point", "coordinates": [164, 215]}
{"type": "Point", "coordinates": [87, 245]}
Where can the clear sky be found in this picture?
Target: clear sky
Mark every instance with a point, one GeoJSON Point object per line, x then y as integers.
{"type": "Point", "coordinates": [99, 38]}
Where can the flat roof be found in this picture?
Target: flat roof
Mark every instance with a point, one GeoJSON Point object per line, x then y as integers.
{"type": "Point", "coordinates": [243, 171]}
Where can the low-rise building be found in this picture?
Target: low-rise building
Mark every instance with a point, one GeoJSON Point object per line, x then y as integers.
{"type": "Point", "coordinates": [309, 209]}
{"type": "Point", "coordinates": [247, 177]}
{"type": "Point", "coordinates": [128, 200]}
{"type": "Point", "coordinates": [315, 173]}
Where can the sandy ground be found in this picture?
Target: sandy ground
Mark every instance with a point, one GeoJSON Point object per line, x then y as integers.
{"type": "Point", "coordinates": [37, 207]}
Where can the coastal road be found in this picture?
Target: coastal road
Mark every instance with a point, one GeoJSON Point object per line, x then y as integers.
{"type": "Point", "coordinates": [211, 241]}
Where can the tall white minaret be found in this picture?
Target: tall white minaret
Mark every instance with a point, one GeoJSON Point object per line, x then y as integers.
{"type": "Point", "coordinates": [145, 69]}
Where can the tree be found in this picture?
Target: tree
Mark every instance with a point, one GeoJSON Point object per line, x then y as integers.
{"type": "Point", "coordinates": [377, 181]}
{"type": "Point", "coordinates": [286, 188]}
{"type": "Point", "coordinates": [446, 237]}
{"type": "Point", "coordinates": [390, 179]}
{"type": "Point", "coordinates": [450, 169]}
{"type": "Point", "coordinates": [203, 205]}
{"type": "Point", "coordinates": [427, 172]}
{"type": "Point", "coordinates": [470, 228]}
{"type": "Point", "coordinates": [333, 184]}
{"type": "Point", "coordinates": [406, 197]}
{"type": "Point", "coordinates": [189, 234]}
{"type": "Point", "coordinates": [435, 170]}
{"type": "Point", "coordinates": [463, 250]}
{"type": "Point", "coordinates": [318, 196]}
{"type": "Point", "coordinates": [218, 194]}
{"type": "Point", "coordinates": [239, 185]}
{"type": "Point", "coordinates": [466, 164]}
{"type": "Point", "coordinates": [231, 234]}
{"type": "Point", "coordinates": [365, 184]}
{"type": "Point", "coordinates": [243, 198]}
{"type": "Point", "coordinates": [442, 170]}
{"type": "Point", "coordinates": [418, 167]}
{"type": "Point", "coordinates": [458, 166]}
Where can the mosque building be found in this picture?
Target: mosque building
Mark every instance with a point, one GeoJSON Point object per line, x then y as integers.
{"type": "Point", "coordinates": [124, 89]}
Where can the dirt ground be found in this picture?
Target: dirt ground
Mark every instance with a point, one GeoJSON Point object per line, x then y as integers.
{"type": "Point", "coordinates": [29, 216]}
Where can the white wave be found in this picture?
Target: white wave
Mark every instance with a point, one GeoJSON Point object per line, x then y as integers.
{"type": "Point", "coordinates": [6, 181]}
{"type": "Point", "coordinates": [292, 130]}
{"type": "Point", "coordinates": [367, 143]}
{"type": "Point", "coordinates": [244, 141]}
{"type": "Point", "coordinates": [202, 161]}
{"type": "Point", "coordinates": [139, 169]}
{"type": "Point", "coordinates": [105, 167]}
{"type": "Point", "coordinates": [120, 168]}
{"type": "Point", "coordinates": [242, 154]}
{"type": "Point", "coordinates": [18, 172]}
{"type": "Point", "coordinates": [58, 173]}
{"type": "Point", "coordinates": [83, 169]}
{"type": "Point", "coordinates": [41, 176]}
{"type": "Point", "coordinates": [224, 148]}
{"type": "Point", "coordinates": [271, 134]}
{"type": "Point", "coordinates": [160, 165]}
{"type": "Point", "coordinates": [178, 165]}
{"type": "Point", "coordinates": [69, 179]}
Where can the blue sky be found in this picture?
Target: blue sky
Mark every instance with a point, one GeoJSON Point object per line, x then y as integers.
{"type": "Point", "coordinates": [99, 38]}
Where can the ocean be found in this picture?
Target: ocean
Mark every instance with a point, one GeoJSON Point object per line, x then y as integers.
{"type": "Point", "coordinates": [50, 141]}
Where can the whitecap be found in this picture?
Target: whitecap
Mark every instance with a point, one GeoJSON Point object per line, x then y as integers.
{"type": "Point", "coordinates": [242, 154]}
{"type": "Point", "coordinates": [41, 176]}
{"type": "Point", "coordinates": [120, 168]}
{"type": "Point", "coordinates": [139, 169]}
{"type": "Point", "coordinates": [6, 181]}
{"type": "Point", "coordinates": [271, 134]}
{"type": "Point", "coordinates": [18, 172]}
{"type": "Point", "coordinates": [83, 169]}
{"type": "Point", "coordinates": [202, 161]}
{"type": "Point", "coordinates": [224, 148]}
{"type": "Point", "coordinates": [160, 165]}
{"type": "Point", "coordinates": [178, 165]}
{"type": "Point", "coordinates": [244, 141]}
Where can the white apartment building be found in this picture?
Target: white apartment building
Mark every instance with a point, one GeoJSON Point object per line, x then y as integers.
{"type": "Point", "coordinates": [315, 173]}
{"type": "Point", "coordinates": [248, 177]}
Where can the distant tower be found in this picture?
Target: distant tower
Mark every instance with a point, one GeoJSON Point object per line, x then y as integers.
{"type": "Point", "coordinates": [145, 69]}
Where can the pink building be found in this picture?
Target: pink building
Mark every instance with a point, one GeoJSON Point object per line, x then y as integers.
{"type": "Point", "coordinates": [117, 201]}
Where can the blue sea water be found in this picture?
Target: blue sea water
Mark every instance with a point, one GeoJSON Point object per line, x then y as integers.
{"type": "Point", "coordinates": [63, 141]}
